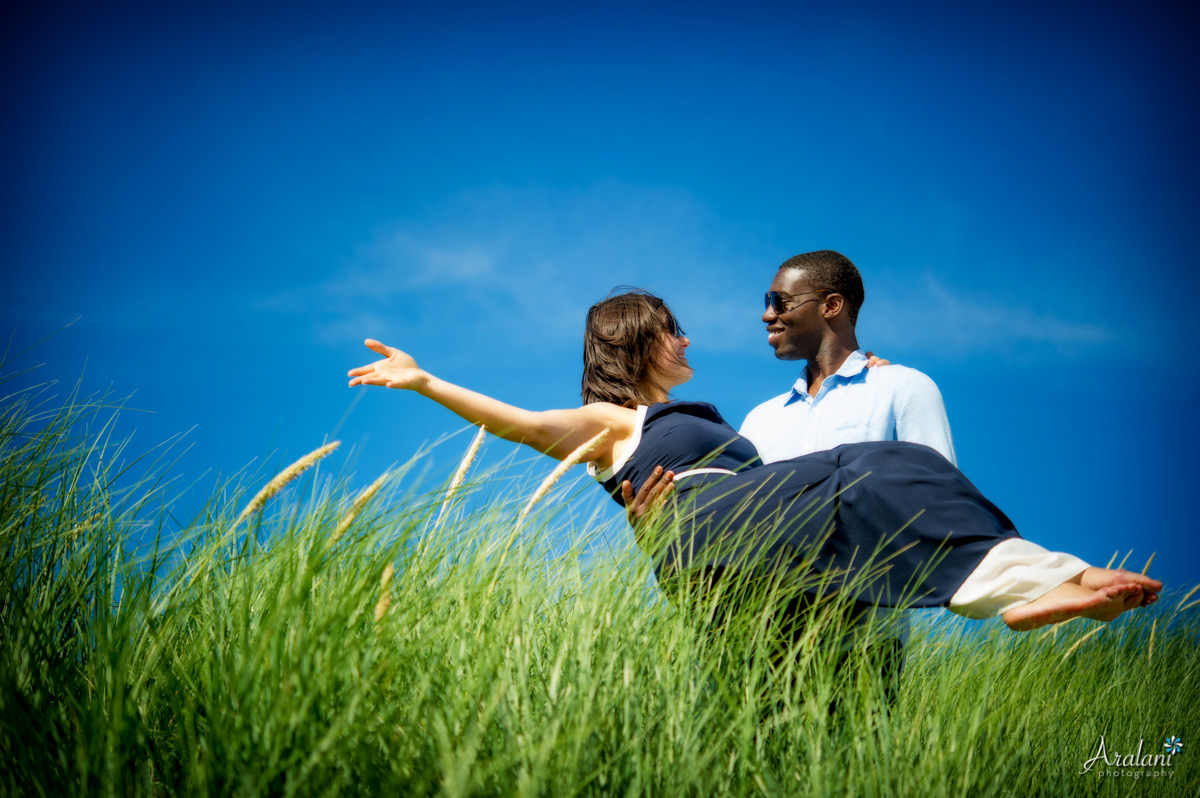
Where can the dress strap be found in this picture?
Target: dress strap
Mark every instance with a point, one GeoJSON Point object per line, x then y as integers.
{"type": "Point", "coordinates": [692, 471]}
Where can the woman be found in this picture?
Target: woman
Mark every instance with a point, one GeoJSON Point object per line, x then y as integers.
{"type": "Point", "coordinates": [944, 544]}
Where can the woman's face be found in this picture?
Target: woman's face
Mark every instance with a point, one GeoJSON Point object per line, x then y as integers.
{"type": "Point", "coordinates": [670, 364]}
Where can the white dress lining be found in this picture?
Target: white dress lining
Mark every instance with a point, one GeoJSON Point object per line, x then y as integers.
{"type": "Point", "coordinates": [1015, 572]}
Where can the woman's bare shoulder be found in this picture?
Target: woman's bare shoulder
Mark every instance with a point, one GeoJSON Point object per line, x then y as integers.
{"type": "Point", "coordinates": [621, 423]}
{"type": "Point", "coordinates": [611, 414]}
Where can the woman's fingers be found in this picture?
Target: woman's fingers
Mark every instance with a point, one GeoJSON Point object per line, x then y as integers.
{"type": "Point", "coordinates": [376, 346]}
{"type": "Point", "coordinates": [652, 493]}
{"type": "Point", "coordinates": [396, 370]}
{"type": "Point", "coordinates": [367, 375]}
{"type": "Point", "coordinates": [655, 488]}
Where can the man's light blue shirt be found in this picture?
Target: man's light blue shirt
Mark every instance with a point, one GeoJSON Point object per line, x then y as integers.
{"type": "Point", "coordinates": [857, 404]}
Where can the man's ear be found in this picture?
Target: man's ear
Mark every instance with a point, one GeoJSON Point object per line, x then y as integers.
{"type": "Point", "coordinates": [834, 303]}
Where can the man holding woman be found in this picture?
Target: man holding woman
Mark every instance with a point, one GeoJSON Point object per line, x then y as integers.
{"type": "Point", "coordinates": [944, 542]}
{"type": "Point", "coordinates": [811, 312]}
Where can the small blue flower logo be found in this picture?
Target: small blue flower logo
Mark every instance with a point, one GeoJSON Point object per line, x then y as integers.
{"type": "Point", "coordinates": [1173, 745]}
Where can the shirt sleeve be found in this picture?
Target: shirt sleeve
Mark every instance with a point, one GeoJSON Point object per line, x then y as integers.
{"type": "Point", "coordinates": [921, 416]}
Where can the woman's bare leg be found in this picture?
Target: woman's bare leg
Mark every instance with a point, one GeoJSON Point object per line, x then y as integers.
{"type": "Point", "coordinates": [1074, 600]}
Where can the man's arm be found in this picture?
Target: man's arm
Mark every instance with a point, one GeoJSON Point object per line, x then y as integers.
{"type": "Point", "coordinates": [921, 416]}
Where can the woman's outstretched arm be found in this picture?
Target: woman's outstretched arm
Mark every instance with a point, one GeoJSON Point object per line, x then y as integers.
{"type": "Point", "coordinates": [557, 433]}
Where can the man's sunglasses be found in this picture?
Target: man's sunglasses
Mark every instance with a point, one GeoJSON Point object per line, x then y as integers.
{"type": "Point", "coordinates": [777, 301]}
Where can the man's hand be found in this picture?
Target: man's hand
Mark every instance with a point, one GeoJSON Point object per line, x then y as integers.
{"type": "Point", "coordinates": [876, 361]}
{"type": "Point", "coordinates": [650, 498]}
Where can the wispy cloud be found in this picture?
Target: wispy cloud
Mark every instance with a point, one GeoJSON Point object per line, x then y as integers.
{"type": "Point", "coordinates": [520, 265]}
{"type": "Point", "coordinates": [933, 316]}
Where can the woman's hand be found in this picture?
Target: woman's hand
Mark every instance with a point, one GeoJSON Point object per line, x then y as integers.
{"type": "Point", "coordinates": [396, 370]}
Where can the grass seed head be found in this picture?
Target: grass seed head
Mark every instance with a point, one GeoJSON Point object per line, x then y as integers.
{"type": "Point", "coordinates": [385, 593]}
{"type": "Point", "coordinates": [91, 522]}
{"type": "Point", "coordinates": [573, 459]}
{"type": "Point", "coordinates": [360, 502]}
{"type": "Point", "coordinates": [461, 472]}
{"type": "Point", "coordinates": [1183, 605]}
{"type": "Point", "coordinates": [283, 478]}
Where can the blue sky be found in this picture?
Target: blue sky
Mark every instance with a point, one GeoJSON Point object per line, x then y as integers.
{"type": "Point", "coordinates": [231, 200]}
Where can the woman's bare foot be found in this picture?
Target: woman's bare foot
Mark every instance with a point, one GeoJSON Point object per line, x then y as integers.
{"type": "Point", "coordinates": [1070, 600]}
{"type": "Point", "coordinates": [1097, 578]}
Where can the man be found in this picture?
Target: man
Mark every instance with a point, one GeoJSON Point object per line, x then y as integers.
{"type": "Point", "coordinates": [811, 312]}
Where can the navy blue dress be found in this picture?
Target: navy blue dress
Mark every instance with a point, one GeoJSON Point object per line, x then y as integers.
{"type": "Point", "coordinates": [823, 514]}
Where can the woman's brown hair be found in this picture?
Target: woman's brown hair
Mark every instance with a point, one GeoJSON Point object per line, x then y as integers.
{"type": "Point", "coordinates": [623, 333]}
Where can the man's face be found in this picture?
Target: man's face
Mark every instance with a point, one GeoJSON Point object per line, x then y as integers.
{"type": "Point", "coordinates": [796, 333]}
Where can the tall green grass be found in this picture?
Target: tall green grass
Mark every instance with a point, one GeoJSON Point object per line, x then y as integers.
{"type": "Point", "coordinates": [421, 651]}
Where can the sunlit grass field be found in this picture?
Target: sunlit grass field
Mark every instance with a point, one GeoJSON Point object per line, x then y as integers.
{"type": "Point", "coordinates": [320, 641]}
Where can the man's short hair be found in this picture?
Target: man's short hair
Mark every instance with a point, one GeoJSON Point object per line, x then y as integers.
{"type": "Point", "coordinates": [833, 271]}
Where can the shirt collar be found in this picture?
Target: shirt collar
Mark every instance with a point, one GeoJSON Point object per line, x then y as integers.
{"type": "Point", "coordinates": [854, 365]}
